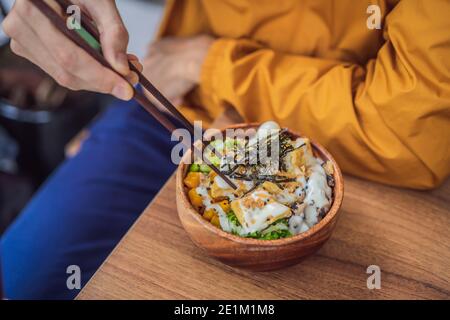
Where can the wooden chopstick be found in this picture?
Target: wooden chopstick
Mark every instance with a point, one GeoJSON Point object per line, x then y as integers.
{"type": "Point", "coordinates": [60, 24]}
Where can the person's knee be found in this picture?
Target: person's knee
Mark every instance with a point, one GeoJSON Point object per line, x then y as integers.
{"type": "Point", "coordinates": [29, 272]}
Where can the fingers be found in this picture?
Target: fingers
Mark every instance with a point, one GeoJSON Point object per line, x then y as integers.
{"type": "Point", "coordinates": [62, 77]}
{"type": "Point", "coordinates": [59, 56]}
{"type": "Point", "coordinates": [135, 61]}
{"type": "Point", "coordinates": [133, 77]}
{"type": "Point", "coordinates": [113, 34]}
{"type": "Point", "coordinates": [27, 35]}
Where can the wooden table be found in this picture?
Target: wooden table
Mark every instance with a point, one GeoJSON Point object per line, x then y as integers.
{"type": "Point", "coordinates": [406, 233]}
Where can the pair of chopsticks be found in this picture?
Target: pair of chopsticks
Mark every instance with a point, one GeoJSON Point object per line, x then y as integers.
{"type": "Point", "coordinates": [88, 25]}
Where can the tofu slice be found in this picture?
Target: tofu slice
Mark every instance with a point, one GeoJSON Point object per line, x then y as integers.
{"type": "Point", "coordinates": [220, 189]}
{"type": "Point", "coordinates": [299, 157]}
{"type": "Point", "coordinates": [258, 210]}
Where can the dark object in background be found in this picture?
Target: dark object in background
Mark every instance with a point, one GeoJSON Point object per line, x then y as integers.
{"type": "Point", "coordinates": [41, 117]}
{"type": "Point", "coordinates": [3, 10]}
{"type": "Point", "coordinates": [8, 153]}
{"type": "Point", "coordinates": [15, 192]}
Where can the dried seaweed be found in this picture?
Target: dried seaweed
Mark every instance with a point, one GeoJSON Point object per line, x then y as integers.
{"type": "Point", "coordinates": [330, 181]}
{"type": "Point", "coordinates": [252, 169]}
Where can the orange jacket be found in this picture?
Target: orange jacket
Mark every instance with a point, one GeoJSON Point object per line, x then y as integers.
{"type": "Point", "coordinates": [378, 100]}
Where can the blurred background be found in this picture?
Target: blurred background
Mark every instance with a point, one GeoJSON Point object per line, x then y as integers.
{"type": "Point", "coordinates": [41, 122]}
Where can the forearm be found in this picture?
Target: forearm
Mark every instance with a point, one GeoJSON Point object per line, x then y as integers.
{"type": "Point", "coordinates": [364, 115]}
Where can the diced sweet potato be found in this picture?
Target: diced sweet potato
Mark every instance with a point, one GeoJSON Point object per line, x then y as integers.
{"type": "Point", "coordinates": [209, 214]}
{"type": "Point", "coordinates": [192, 180]}
{"type": "Point", "coordinates": [225, 205]}
{"type": "Point", "coordinates": [196, 199]}
{"type": "Point", "coordinates": [216, 221]}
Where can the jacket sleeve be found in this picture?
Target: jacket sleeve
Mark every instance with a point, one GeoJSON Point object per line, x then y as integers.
{"type": "Point", "coordinates": [388, 121]}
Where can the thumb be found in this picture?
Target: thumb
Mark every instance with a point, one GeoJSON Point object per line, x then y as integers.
{"type": "Point", "coordinates": [113, 34]}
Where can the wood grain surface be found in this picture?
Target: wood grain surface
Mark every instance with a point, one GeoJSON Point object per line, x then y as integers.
{"type": "Point", "coordinates": [406, 233]}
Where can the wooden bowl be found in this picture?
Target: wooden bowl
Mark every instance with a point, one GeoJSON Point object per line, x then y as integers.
{"type": "Point", "coordinates": [254, 254]}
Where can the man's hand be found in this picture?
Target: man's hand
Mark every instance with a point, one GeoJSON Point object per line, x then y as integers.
{"type": "Point", "coordinates": [174, 65]}
{"type": "Point", "coordinates": [36, 39]}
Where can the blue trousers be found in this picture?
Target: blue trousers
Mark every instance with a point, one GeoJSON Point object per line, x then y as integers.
{"type": "Point", "coordinates": [87, 205]}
